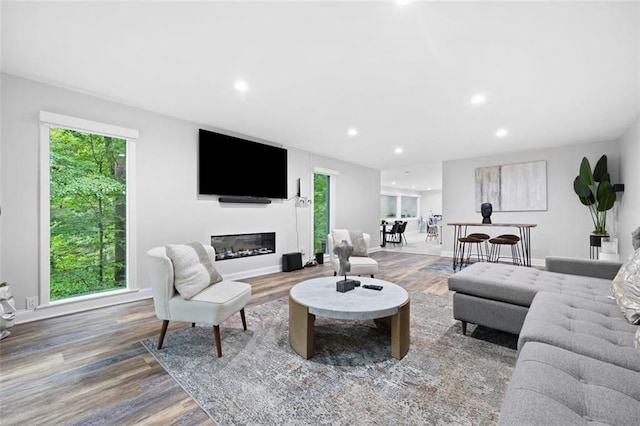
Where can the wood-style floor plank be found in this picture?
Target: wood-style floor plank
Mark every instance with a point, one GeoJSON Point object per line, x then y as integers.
{"type": "Point", "coordinates": [90, 368]}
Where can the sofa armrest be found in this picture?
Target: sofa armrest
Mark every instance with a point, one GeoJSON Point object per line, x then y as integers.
{"type": "Point", "coordinates": [586, 267]}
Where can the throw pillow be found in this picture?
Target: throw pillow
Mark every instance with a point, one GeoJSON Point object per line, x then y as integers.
{"type": "Point", "coordinates": [626, 288]}
{"type": "Point", "coordinates": [359, 244]}
{"type": "Point", "coordinates": [193, 269]}
{"type": "Point", "coordinates": [341, 234]}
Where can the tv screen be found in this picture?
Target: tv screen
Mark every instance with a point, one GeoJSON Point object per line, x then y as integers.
{"type": "Point", "coordinates": [229, 165]}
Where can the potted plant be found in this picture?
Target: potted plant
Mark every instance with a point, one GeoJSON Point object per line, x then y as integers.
{"type": "Point", "coordinates": [594, 189]}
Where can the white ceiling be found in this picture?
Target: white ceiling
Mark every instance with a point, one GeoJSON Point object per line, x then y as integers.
{"type": "Point", "coordinates": [553, 73]}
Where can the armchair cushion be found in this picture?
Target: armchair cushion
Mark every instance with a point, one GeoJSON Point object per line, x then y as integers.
{"type": "Point", "coordinates": [193, 268]}
{"type": "Point", "coordinates": [354, 238]}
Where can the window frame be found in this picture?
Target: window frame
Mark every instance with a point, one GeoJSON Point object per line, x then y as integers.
{"type": "Point", "coordinates": [49, 120]}
{"type": "Point", "coordinates": [398, 213]}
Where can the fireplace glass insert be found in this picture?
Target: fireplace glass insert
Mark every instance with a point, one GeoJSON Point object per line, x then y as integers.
{"type": "Point", "coordinates": [243, 245]}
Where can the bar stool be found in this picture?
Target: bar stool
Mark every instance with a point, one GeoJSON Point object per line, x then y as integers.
{"type": "Point", "coordinates": [470, 241]}
{"type": "Point", "coordinates": [484, 238]}
{"type": "Point", "coordinates": [505, 240]}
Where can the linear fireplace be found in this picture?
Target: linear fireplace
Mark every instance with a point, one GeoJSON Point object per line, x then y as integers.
{"type": "Point", "coordinates": [243, 245]}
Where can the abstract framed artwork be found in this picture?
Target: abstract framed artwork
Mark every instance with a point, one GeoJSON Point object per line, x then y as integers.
{"type": "Point", "coordinates": [513, 187]}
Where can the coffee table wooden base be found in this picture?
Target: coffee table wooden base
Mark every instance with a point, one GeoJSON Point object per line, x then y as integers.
{"type": "Point", "coordinates": [301, 335]}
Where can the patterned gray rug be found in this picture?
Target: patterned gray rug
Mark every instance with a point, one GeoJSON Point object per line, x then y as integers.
{"type": "Point", "coordinates": [446, 378]}
{"type": "Point", "coordinates": [444, 267]}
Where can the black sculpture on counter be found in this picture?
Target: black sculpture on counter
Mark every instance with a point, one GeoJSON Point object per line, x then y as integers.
{"type": "Point", "coordinates": [486, 209]}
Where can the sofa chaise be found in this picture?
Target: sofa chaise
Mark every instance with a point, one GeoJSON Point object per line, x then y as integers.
{"type": "Point", "coordinates": [577, 356]}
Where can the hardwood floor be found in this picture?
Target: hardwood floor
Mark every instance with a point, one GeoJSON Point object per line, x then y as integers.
{"type": "Point", "coordinates": [89, 368]}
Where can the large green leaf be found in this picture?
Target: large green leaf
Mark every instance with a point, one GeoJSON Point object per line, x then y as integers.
{"type": "Point", "coordinates": [584, 192]}
{"type": "Point", "coordinates": [600, 172]}
{"type": "Point", "coordinates": [606, 196]}
{"type": "Point", "coordinates": [586, 177]}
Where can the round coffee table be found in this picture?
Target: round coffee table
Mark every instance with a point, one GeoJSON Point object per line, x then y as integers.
{"type": "Point", "coordinates": [318, 296]}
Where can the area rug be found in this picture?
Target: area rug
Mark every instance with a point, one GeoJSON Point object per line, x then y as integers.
{"type": "Point", "coordinates": [446, 378]}
{"type": "Point", "coordinates": [444, 267]}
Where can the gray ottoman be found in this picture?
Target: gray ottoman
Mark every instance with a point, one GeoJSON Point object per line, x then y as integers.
{"type": "Point", "coordinates": [597, 330]}
{"type": "Point", "coordinates": [553, 386]}
{"type": "Point", "coordinates": [498, 296]}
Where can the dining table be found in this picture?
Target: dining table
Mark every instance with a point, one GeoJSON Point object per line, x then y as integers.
{"type": "Point", "coordinates": [524, 229]}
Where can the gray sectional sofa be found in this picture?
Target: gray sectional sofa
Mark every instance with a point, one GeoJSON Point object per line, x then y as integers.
{"type": "Point", "coordinates": [577, 362]}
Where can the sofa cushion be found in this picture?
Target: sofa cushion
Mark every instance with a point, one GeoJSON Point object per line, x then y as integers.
{"type": "Point", "coordinates": [519, 285]}
{"type": "Point", "coordinates": [594, 329]}
{"type": "Point", "coordinates": [193, 268]}
{"type": "Point", "coordinates": [625, 288]}
{"type": "Point", "coordinates": [551, 385]}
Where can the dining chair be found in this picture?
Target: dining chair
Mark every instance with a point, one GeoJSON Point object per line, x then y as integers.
{"type": "Point", "coordinates": [392, 234]}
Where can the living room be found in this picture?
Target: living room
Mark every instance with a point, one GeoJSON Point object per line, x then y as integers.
{"type": "Point", "coordinates": [166, 207]}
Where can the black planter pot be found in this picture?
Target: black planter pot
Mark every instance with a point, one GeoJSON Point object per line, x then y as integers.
{"type": "Point", "coordinates": [595, 240]}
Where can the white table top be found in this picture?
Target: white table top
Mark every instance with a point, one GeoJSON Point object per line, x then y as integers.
{"type": "Point", "coordinates": [322, 299]}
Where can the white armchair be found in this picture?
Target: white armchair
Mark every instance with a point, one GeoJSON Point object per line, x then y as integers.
{"type": "Point", "coordinates": [360, 265]}
{"type": "Point", "coordinates": [213, 305]}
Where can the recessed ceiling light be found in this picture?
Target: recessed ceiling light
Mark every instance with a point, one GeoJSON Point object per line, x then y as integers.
{"type": "Point", "coordinates": [478, 99]}
{"type": "Point", "coordinates": [413, 186]}
{"type": "Point", "coordinates": [352, 132]}
{"type": "Point", "coordinates": [501, 133]}
{"type": "Point", "coordinates": [428, 189]}
{"type": "Point", "coordinates": [403, 2]}
{"type": "Point", "coordinates": [241, 85]}
{"type": "Point", "coordinates": [393, 183]}
{"type": "Point", "coordinates": [398, 150]}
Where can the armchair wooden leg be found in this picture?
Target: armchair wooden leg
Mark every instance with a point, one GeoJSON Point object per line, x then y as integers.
{"type": "Point", "coordinates": [193, 324]}
{"type": "Point", "coordinates": [335, 273]}
{"type": "Point", "coordinates": [372, 276]}
{"type": "Point", "coordinates": [216, 332]}
{"type": "Point", "coordinates": [464, 327]}
{"type": "Point", "coordinates": [163, 331]}
{"type": "Point", "coordinates": [244, 320]}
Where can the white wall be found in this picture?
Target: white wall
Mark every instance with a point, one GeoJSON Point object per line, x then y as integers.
{"type": "Point", "coordinates": [169, 210]}
{"type": "Point", "coordinates": [562, 230]}
{"type": "Point", "coordinates": [431, 201]}
{"type": "Point", "coordinates": [629, 206]}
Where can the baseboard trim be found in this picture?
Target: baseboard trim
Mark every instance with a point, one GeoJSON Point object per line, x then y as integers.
{"type": "Point", "coordinates": [534, 262]}
{"type": "Point", "coordinates": [51, 311]}
{"type": "Point", "coordinates": [253, 273]}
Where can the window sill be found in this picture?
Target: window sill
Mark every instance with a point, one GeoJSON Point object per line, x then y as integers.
{"type": "Point", "coordinates": [82, 303]}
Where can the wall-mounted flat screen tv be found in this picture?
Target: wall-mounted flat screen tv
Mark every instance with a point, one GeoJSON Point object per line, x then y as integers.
{"type": "Point", "coordinates": [232, 166]}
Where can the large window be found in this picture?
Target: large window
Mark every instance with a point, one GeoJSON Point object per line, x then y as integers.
{"type": "Point", "coordinates": [389, 206]}
{"type": "Point", "coordinates": [321, 208]}
{"type": "Point", "coordinates": [398, 207]}
{"type": "Point", "coordinates": [86, 209]}
{"type": "Point", "coordinates": [408, 207]}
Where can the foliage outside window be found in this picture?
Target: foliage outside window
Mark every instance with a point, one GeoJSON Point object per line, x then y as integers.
{"type": "Point", "coordinates": [87, 213]}
{"type": "Point", "coordinates": [320, 212]}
